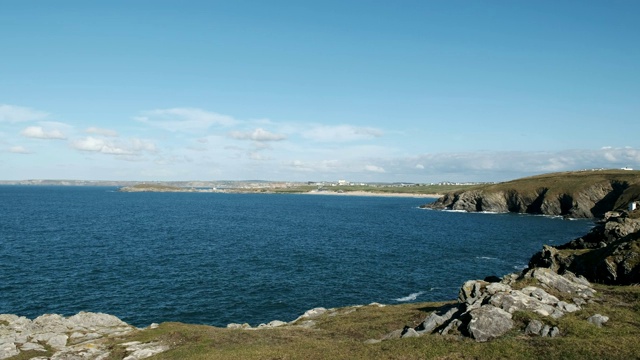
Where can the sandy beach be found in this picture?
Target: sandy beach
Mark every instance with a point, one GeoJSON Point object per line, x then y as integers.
{"type": "Point", "coordinates": [371, 193]}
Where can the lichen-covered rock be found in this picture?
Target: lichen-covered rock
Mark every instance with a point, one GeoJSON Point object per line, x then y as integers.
{"type": "Point", "coordinates": [77, 337]}
{"type": "Point", "coordinates": [519, 301]}
{"type": "Point", "coordinates": [541, 295]}
{"type": "Point", "coordinates": [534, 327]}
{"type": "Point", "coordinates": [489, 322]}
{"type": "Point", "coordinates": [409, 332]}
{"type": "Point", "coordinates": [8, 349]}
{"type": "Point", "coordinates": [438, 318]}
{"type": "Point", "coordinates": [453, 324]}
{"type": "Point", "coordinates": [471, 291]}
{"type": "Point", "coordinates": [598, 320]}
{"type": "Point", "coordinates": [562, 284]}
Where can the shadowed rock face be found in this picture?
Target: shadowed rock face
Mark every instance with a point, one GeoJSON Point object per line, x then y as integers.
{"type": "Point", "coordinates": [612, 253]}
{"type": "Point", "coordinates": [591, 202]}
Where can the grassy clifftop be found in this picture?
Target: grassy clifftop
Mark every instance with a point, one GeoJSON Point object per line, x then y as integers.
{"type": "Point", "coordinates": [568, 182]}
{"type": "Point", "coordinates": [588, 193]}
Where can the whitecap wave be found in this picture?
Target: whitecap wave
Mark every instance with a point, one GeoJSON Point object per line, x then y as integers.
{"type": "Point", "coordinates": [486, 258]}
{"type": "Point", "coordinates": [520, 267]}
{"type": "Point", "coordinates": [409, 297]}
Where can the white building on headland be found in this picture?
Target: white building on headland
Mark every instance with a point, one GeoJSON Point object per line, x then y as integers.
{"type": "Point", "coordinates": [626, 168]}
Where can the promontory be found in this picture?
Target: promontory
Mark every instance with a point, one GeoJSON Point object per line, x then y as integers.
{"type": "Point", "coordinates": [574, 194]}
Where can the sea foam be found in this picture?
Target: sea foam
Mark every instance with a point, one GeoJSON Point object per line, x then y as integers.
{"type": "Point", "coordinates": [409, 297]}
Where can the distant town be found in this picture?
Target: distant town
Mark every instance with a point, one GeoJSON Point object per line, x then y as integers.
{"type": "Point", "coordinates": [229, 184]}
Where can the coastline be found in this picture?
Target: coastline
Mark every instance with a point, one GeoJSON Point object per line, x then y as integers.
{"type": "Point", "coordinates": [371, 193]}
{"type": "Point", "coordinates": [262, 191]}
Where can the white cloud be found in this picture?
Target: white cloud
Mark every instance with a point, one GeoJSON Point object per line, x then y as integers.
{"type": "Point", "coordinates": [19, 150]}
{"type": "Point", "coordinates": [38, 132]}
{"type": "Point", "coordinates": [184, 119]}
{"type": "Point", "coordinates": [15, 114]}
{"type": "Point", "coordinates": [258, 134]}
{"type": "Point", "coordinates": [373, 168]}
{"type": "Point", "coordinates": [341, 133]}
{"type": "Point", "coordinates": [133, 146]}
{"type": "Point", "coordinates": [315, 166]}
{"type": "Point", "coordinates": [420, 166]}
{"type": "Point", "coordinates": [254, 155]}
{"type": "Point", "coordinates": [503, 165]}
{"type": "Point", "coordinates": [101, 131]}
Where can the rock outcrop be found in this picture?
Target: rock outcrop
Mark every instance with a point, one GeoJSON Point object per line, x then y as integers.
{"type": "Point", "coordinates": [592, 202]}
{"type": "Point", "coordinates": [485, 310]}
{"type": "Point", "coordinates": [81, 336]}
{"type": "Point", "coordinates": [609, 253]}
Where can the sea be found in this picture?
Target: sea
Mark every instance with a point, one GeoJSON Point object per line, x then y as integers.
{"type": "Point", "coordinates": [216, 258]}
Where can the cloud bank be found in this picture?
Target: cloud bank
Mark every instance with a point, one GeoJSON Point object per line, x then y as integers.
{"type": "Point", "coordinates": [38, 132]}
{"type": "Point", "coordinates": [184, 119]}
{"type": "Point", "coordinates": [341, 133]}
{"type": "Point", "coordinates": [132, 146]}
{"type": "Point", "coordinates": [16, 114]}
{"type": "Point", "coordinates": [258, 134]}
{"type": "Point", "coordinates": [188, 143]}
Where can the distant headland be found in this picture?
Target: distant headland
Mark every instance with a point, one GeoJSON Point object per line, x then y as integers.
{"type": "Point", "coordinates": [573, 194]}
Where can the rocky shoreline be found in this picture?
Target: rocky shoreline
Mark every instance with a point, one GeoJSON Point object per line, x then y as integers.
{"type": "Point", "coordinates": [484, 311]}
{"type": "Point", "coordinates": [557, 282]}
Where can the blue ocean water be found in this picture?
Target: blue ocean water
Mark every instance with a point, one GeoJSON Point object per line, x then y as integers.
{"type": "Point", "coordinates": [219, 258]}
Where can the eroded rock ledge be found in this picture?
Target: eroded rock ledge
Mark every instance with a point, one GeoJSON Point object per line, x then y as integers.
{"type": "Point", "coordinates": [485, 310]}
{"type": "Point", "coordinates": [608, 254]}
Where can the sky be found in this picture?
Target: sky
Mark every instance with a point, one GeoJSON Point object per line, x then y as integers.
{"type": "Point", "coordinates": [365, 91]}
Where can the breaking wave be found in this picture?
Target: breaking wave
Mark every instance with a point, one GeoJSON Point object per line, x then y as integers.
{"type": "Point", "coordinates": [409, 297]}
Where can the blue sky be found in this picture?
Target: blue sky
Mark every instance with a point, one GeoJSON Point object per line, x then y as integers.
{"type": "Point", "coordinates": [420, 91]}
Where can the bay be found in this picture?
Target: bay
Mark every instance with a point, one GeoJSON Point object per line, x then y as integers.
{"type": "Point", "coordinates": [211, 258]}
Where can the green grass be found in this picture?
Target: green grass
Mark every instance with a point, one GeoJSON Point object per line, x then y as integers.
{"type": "Point", "coordinates": [566, 182]}
{"type": "Point", "coordinates": [342, 335]}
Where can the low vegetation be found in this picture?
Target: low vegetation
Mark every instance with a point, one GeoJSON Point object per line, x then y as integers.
{"type": "Point", "coordinates": [568, 182]}
{"type": "Point", "coordinates": [152, 187]}
{"type": "Point", "coordinates": [342, 335]}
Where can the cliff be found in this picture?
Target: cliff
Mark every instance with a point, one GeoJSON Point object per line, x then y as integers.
{"type": "Point", "coordinates": [577, 194]}
{"type": "Point", "coordinates": [608, 254]}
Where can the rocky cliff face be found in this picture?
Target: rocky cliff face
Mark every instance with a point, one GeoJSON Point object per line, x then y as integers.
{"type": "Point", "coordinates": [609, 253]}
{"type": "Point", "coordinates": [590, 202]}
